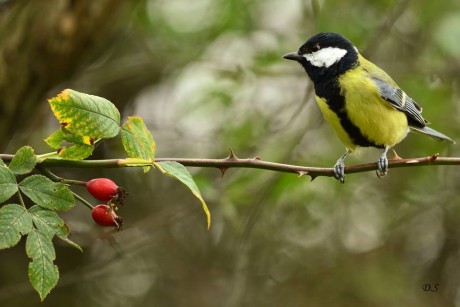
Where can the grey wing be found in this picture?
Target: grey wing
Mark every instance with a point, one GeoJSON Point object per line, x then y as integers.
{"type": "Point", "coordinates": [400, 101]}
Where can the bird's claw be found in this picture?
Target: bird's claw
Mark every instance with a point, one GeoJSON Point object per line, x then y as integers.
{"type": "Point", "coordinates": [339, 171]}
{"type": "Point", "coordinates": [382, 166]}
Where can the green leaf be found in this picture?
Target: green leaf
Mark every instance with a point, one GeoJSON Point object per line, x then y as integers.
{"type": "Point", "coordinates": [76, 152]}
{"type": "Point", "coordinates": [137, 139]}
{"type": "Point", "coordinates": [9, 237]}
{"type": "Point", "coordinates": [134, 162]}
{"type": "Point", "coordinates": [46, 220]}
{"type": "Point", "coordinates": [15, 221]}
{"type": "Point", "coordinates": [179, 172]}
{"type": "Point", "coordinates": [43, 275]}
{"type": "Point", "coordinates": [55, 139]}
{"type": "Point", "coordinates": [68, 241]}
{"type": "Point", "coordinates": [23, 161]}
{"type": "Point", "coordinates": [39, 245]}
{"type": "Point", "coordinates": [86, 115]}
{"type": "Point", "coordinates": [8, 185]}
{"type": "Point", "coordinates": [50, 224]}
{"type": "Point", "coordinates": [47, 194]}
{"type": "Point", "coordinates": [83, 145]}
{"type": "Point", "coordinates": [18, 216]}
{"type": "Point", "coordinates": [2, 163]}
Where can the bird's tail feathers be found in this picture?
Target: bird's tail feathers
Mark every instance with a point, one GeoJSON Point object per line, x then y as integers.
{"type": "Point", "coordinates": [432, 133]}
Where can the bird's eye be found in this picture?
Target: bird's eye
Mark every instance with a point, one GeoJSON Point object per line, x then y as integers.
{"type": "Point", "coordinates": [315, 48]}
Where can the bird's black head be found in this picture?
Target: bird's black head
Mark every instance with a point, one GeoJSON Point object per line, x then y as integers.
{"type": "Point", "coordinates": [325, 56]}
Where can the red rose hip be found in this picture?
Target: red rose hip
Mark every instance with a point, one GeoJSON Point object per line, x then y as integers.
{"type": "Point", "coordinates": [105, 216]}
{"type": "Point", "coordinates": [102, 188]}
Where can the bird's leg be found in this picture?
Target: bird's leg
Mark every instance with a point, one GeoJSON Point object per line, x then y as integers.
{"type": "Point", "coordinates": [339, 167]}
{"type": "Point", "coordinates": [383, 163]}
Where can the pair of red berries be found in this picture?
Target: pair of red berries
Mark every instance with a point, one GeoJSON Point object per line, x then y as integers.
{"type": "Point", "coordinates": [106, 190]}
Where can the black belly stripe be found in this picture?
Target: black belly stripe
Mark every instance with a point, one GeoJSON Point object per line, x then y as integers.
{"type": "Point", "coordinates": [336, 102]}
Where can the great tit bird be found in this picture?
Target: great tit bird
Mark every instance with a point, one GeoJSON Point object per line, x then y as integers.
{"type": "Point", "coordinates": [361, 102]}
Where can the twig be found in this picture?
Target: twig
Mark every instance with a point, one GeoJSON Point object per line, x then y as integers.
{"type": "Point", "coordinates": [234, 162]}
{"type": "Point", "coordinates": [83, 201]}
{"type": "Point", "coordinates": [41, 168]}
{"type": "Point", "coordinates": [307, 170]}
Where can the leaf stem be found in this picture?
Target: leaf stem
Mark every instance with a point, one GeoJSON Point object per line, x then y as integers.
{"type": "Point", "coordinates": [83, 201]}
{"type": "Point", "coordinates": [48, 173]}
{"type": "Point", "coordinates": [74, 182]}
{"type": "Point", "coordinates": [52, 154]}
{"type": "Point", "coordinates": [56, 178]}
{"type": "Point", "coordinates": [21, 200]}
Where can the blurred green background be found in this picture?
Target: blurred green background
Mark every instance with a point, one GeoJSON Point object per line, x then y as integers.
{"type": "Point", "coordinates": [207, 75]}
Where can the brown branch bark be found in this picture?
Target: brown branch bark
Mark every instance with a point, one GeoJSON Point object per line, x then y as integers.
{"type": "Point", "coordinates": [233, 162]}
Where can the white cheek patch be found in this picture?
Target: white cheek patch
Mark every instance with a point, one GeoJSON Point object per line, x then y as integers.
{"type": "Point", "coordinates": [325, 57]}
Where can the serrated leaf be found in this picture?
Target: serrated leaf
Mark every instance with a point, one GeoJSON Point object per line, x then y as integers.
{"type": "Point", "coordinates": [43, 275]}
{"type": "Point", "coordinates": [55, 139]}
{"type": "Point", "coordinates": [23, 161]}
{"type": "Point", "coordinates": [8, 185]}
{"type": "Point", "coordinates": [39, 245]}
{"type": "Point", "coordinates": [15, 221]}
{"type": "Point", "coordinates": [8, 236]}
{"type": "Point", "coordinates": [76, 152]}
{"type": "Point", "coordinates": [63, 232]}
{"type": "Point", "coordinates": [18, 216]}
{"type": "Point", "coordinates": [46, 193]}
{"type": "Point", "coordinates": [179, 172]}
{"type": "Point", "coordinates": [137, 139]}
{"type": "Point", "coordinates": [83, 145]}
{"type": "Point", "coordinates": [70, 242]}
{"type": "Point", "coordinates": [77, 139]}
{"type": "Point", "coordinates": [46, 220]}
{"type": "Point", "coordinates": [86, 115]}
{"type": "Point", "coordinates": [50, 224]}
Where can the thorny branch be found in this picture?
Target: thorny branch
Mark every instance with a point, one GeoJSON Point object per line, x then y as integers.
{"type": "Point", "coordinates": [232, 161]}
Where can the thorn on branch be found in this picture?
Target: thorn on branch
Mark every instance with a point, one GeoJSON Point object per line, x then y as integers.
{"type": "Point", "coordinates": [222, 169]}
{"type": "Point", "coordinates": [231, 156]}
{"type": "Point", "coordinates": [434, 157]}
{"type": "Point", "coordinates": [256, 158]}
{"type": "Point", "coordinates": [395, 155]}
{"type": "Point", "coordinates": [302, 173]}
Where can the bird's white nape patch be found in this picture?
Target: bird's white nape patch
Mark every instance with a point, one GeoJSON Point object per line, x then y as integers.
{"type": "Point", "coordinates": [325, 57]}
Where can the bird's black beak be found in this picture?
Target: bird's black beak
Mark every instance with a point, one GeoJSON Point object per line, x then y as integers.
{"type": "Point", "coordinates": [294, 56]}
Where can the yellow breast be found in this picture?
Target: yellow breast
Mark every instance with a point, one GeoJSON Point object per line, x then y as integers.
{"type": "Point", "coordinates": [333, 120]}
{"type": "Point", "coordinates": [375, 118]}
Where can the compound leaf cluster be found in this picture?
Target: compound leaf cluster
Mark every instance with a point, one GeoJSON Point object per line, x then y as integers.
{"type": "Point", "coordinates": [38, 222]}
{"type": "Point", "coordinates": [85, 120]}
